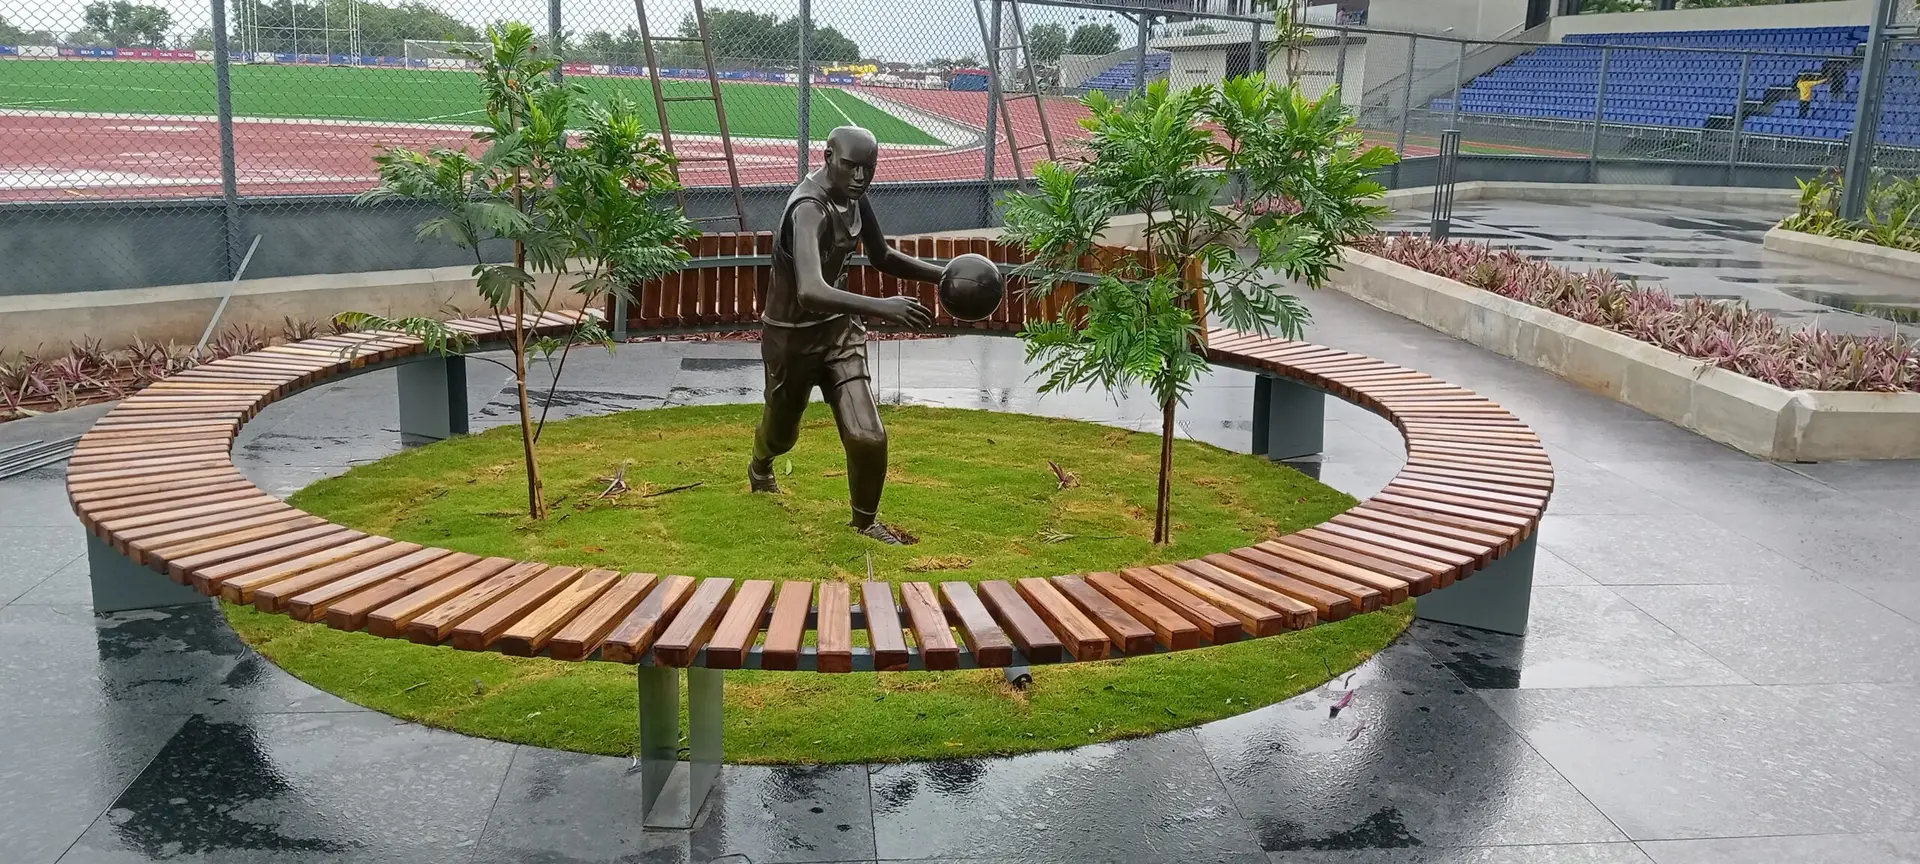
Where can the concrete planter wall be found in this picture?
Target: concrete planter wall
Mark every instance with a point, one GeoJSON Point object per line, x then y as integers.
{"type": "Point", "coordinates": [1759, 418]}
{"type": "Point", "coordinates": [44, 323]}
{"type": "Point", "coordinates": [1849, 253]}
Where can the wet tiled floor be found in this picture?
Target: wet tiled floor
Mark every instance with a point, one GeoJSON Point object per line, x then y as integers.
{"type": "Point", "coordinates": [1722, 669]}
{"type": "Point", "coordinates": [1709, 251]}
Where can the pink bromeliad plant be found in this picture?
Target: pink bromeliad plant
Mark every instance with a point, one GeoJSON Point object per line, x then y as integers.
{"type": "Point", "coordinates": [1729, 335]}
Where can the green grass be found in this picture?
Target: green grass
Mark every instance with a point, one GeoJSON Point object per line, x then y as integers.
{"type": "Point", "coordinates": [974, 486]}
{"type": "Point", "coordinates": [406, 95]}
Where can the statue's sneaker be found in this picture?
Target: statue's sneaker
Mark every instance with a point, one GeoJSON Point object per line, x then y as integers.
{"type": "Point", "coordinates": [762, 482]}
{"type": "Point", "coordinates": [879, 531]}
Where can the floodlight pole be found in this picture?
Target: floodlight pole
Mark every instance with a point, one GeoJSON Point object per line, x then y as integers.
{"type": "Point", "coordinates": [223, 100]}
{"type": "Point", "coordinates": [805, 80]}
{"type": "Point", "coordinates": [1866, 115]}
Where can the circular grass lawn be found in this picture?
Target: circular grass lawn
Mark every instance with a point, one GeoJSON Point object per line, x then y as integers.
{"type": "Point", "coordinates": [974, 486]}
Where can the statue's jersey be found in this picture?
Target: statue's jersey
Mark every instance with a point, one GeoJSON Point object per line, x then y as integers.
{"type": "Point", "coordinates": [838, 240]}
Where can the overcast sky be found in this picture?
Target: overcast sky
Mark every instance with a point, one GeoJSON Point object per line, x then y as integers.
{"type": "Point", "coordinates": [898, 30]}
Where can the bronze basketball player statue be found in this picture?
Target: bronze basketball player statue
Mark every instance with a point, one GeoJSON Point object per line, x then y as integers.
{"type": "Point", "coordinates": [813, 330]}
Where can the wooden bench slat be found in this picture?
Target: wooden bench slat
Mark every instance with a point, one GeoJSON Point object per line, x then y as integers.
{"type": "Point", "coordinates": [1463, 510]}
{"type": "Point", "coordinates": [1507, 534]}
{"type": "Point", "coordinates": [1456, 463]}
{"type": "Point", "coordinates": [938, 649]}
{"type": "Point", "coordinates": [635, 635]}
{"type": "Point", "coordinates": [1392, 547]}
{"type": "Point", "coordinates": [111, 511]}
{"type": "Point", "coordinates": [156, 550]}
{"type": "Point", "coordinates": [312, 605]}
{"type": "Point", "coordinates": [1448, 496]}
{"type": "Point", "coordinates": [989, 644]}
{"type": "Point", "coordinates": [787, 627]}
{"type": "Point", "coordinates": [1366, 596]}
{"type": "Point", "coordinates": [1394, 581]}
{"type": "Point", "coordinates": [480, 630]}
{"type": "Point", "coordinates": [1328, 605]}
{"type": "Point", "coordinates": [1470, 489]}
{"type": "Point", "coordinates": [188, 478]}
{"type": "Point", "coordinates": [277, 596]}
{"type": "Point", "coordinates": [350, 612]}
{"type": "Point", "coordinates": [181, 561]}
{"type": "Point", "coordinates": [240, 587]}
{"type": "Point", "coordinates": [589, 630]}
{"type": "Point", "coordinates": [1296, 614]}
{"type": "Point", "coordinates": [1492, 481]}
{"type": "Point", "coordinates": [740, 626]}
{"type": "Point", "coordinates": [1170, 628]}
{"type": "Point", "coordinates": [156, 527]}
{"type": "Point", "coordinates": [689, 631]}
{"type": "Point", "coordinates": [885, 635]}
{"type": "Point", "coordinates": [833, 628]}
{"type": "Point", "coordinates": [432, 623]}
{"type": "Point", "coordinates": [1480, 548]}
{"type": "Point", "coordinates": [1020, 622]}
{"type": "Point", "coordinates": [235, 502]}
{"type": "Point", "coordinates": [106, 502]}
{"type": "Point", "coordinates": [1256, 620]}
{"type": "Point", "coordinates": [1216, 625]}
{"type": "Point", "coordinates": [528, 636]}
{"type": "Point", "coordinates": [1078, 634]}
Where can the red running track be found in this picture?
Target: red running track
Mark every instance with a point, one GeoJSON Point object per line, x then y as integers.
{"type": "Point", "coordinates": [52, 157]}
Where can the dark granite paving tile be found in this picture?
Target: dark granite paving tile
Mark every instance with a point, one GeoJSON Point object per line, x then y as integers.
{"type": "Point", "coordinates": [1663, 550]}
{"type": "Point", "coordinates": [1582, 489]}
{"type": "Point", "coordinates": [1553, 571]}
{"type": "Point", "coordinates": [256, 686]}
{"type": "Point", "coordinates": [759, 814]}
{"type": "Point", "coordinates": [28, 555]}
{"type": "Point", "coordinates": [1413, 760]}
{"type": "Point", "coordinates": [68, 586]}
{"type": "Point", "coordinates": [1874, 718]}
{"type": "Point", "coordinates": [58, 772]}
{"type": "Point", "coordinates": [1711, 488]}
{"type": "Point", "coordinates": [36, 499]}
{"type": "Point", "coordinates": [1901, 597]}
{"type": "Point", "coordinates": [1569, 853]}
{"type": "Point", "coordinates": [1695, 762]}
{"type": "Point", "coordinates": [1148, 799]}
{"type": "Point", "coordinates": [1813, 633]}
{"type": "Point", "coordinates": [303, 788]}
{"type": "Point", "coordinates": [1849, 542]}
{"type": "Point", "coordinates": [65, 660]}
{"type": "Point", "coordinates": [1874, 848]}
{"type": "Point", "coordinates": [1576, 637]}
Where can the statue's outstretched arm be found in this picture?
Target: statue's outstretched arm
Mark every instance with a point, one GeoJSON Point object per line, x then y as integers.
{"type": "Point", "coordinates": [816, 295]}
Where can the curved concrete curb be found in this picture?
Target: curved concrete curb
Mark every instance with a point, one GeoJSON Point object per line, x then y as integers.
{"type": "Point", "coordinates": [1847, 253]}
{"type": "Point", "coordinates": [1754, 416]}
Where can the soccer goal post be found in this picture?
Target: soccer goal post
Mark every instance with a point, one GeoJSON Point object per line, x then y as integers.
{"type": "Point", "coordinates": [435, 54]}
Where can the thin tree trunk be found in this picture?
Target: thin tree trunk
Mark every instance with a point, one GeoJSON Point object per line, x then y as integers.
{"type": "Point", "coordinates": [1162, 511]}
{"type": "Point", "coordinates": [536, 502]}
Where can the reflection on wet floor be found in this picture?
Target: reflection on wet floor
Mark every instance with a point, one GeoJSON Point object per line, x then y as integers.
{"type": "Point", "coordinates": [1709, 251]}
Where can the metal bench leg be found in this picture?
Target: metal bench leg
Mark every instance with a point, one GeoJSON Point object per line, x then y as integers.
{"type": "Point", "coordinates": [120, 585]}
{"type": "Point", "coordinates": [433, 399]}
{"type": "Point", "coordinates": [1289, 419]}
{"type": "Point", "coordinates": [1496, 598]}
{"type": "Point", "coordinates": [672, 791]}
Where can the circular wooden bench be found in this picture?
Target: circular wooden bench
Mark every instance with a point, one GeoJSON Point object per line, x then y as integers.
{"type": "Point", "coordinates": [156, 487]}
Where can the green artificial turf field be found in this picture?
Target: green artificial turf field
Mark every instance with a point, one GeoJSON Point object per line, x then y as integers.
{"type": "Point", "coordinates": [405, 95]}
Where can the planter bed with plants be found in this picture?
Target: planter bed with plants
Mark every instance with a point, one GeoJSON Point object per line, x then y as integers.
{"type": "Point", "coordinates": [1886, 239]}
{"type": "Point", "coordinates": [1728, 372]}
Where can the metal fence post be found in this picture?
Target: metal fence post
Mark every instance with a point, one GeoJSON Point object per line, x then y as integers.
{"type": "Point", "coordinates": [1459, 81]}
{"type": "Point", "coordinates": [1866, 115]}
{"type": "Point", "coordinates": [1139, 53]}
{"type": "Point", "coordinates": [556, 38]}
{"type": "Point", "coordinates": [993, 98]}
{"type": "Point", "coordinates": [1406, 106]}
{"type": "Point", "coordinates": [1256, 58]}
{"type": "Point", "coordinates": [1739, 118]}
{"type": "Point", "coordinates": [223, 97]}
{"type": "Point", "coordinates": [1340, 64]}
{"type": "Point", "coordinates": [804, 134]}
{"type": "Point", "coordinates": [1599, 115]}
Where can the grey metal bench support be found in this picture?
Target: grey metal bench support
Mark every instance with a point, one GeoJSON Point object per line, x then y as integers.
{"type": "Point", "coordinates": [1289, 419]}
{"type": "Point", "coordinates": [433, 398]}
{"type": "Point", "coordinates": [119, 585]}
{"type": "Point", "coordinates": [672, 790]}
{"type": "Point", "coordinates": [1495, 599]}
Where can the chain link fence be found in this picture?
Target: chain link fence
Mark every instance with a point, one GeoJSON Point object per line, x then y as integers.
{"type": "Point", "coordinates": [122, 164]}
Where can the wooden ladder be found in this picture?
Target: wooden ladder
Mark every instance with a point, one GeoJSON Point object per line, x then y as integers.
{"type": "Point", "coordinates": [661, 99]}
{"type": "Point", "coordinates": [1022, 58]}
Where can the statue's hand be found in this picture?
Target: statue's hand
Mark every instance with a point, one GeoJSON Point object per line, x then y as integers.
{"type": "Point", "coordinates": [905, 312]}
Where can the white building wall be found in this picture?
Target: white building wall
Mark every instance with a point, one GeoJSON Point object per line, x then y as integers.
{"type": "Point", "coordinates": [1832, 13]}
{"type": "Point", "coordinates": [1196, 67]}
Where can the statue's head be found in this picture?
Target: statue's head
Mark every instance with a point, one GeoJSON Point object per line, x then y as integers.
{"type": "Point", "coordinates": [851, 153]}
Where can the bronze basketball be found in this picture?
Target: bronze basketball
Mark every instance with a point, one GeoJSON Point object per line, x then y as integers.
{"type": "Point", "coordinates": [971, 287]}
